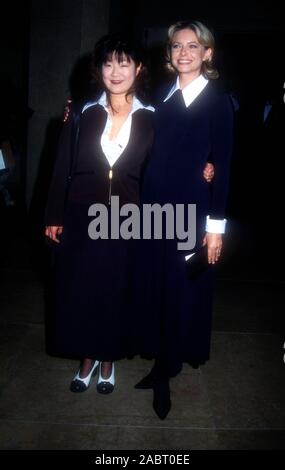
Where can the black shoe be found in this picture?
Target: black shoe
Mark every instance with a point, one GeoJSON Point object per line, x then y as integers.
{"type": "Point", "coordinates": [161, 398]}
{"type": "Point", "coordinates": [147, 382]}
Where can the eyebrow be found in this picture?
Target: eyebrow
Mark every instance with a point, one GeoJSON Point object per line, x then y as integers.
{"type": "Point", "coordinates": [188, 42]}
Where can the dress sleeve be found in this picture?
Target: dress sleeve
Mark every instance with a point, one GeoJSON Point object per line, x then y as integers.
{"type": "Point", "coordinates": [59, 182]}
{"type": "Point", "coordinates": [222, 145]}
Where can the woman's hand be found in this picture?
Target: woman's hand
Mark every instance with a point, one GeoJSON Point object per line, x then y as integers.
{"type": "Point", "coordinates": [209, 172]}
{"type": "Point", "coordinates": [52, 232]}
{"type": "Point", "coordinates": [214, 242]}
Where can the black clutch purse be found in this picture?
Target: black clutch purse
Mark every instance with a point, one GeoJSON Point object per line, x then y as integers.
{"type": "Point", "coordinates": [197, 263]}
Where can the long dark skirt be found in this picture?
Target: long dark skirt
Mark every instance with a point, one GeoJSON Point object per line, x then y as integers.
{"type": "Point", "coordinates": [92, 297]}
{"type": "Point", "coordinates": [174, 315]}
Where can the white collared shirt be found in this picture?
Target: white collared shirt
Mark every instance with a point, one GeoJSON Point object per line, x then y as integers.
{"type": "Point", "coordinates": [113, 149]}
{"type": "Point", "coordinates": [190, 93]}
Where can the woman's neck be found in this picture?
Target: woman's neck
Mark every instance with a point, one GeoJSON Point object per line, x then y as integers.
{"type": "Point", "coordinates": [185, 79]}
{"type": "Point", "coordinates": [120, 103]}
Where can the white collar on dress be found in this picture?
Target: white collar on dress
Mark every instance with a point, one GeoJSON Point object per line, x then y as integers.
{"type": "Point", "coordinates": [136, 104]}
{"type": "Point", "coordinates": [191, 91]}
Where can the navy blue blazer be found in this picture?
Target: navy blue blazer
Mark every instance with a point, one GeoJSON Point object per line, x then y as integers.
{"type": "Point", "coordinates": [185, 139]}
{"type": "Point", "coordinates": [81, 175]}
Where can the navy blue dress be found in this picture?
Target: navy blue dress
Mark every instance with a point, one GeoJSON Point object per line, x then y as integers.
{"type": "Point", "coordinates": [92, 313]}
{"type": "Point", "coordinates": [175, 314]}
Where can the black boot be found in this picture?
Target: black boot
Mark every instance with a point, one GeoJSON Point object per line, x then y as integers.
{"type": "Point", "coordinates": [147, 382]}
{"type": "Point", "coordinates": [161, 397]}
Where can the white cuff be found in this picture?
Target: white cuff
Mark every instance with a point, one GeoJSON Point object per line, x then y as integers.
{"type": "Point", "coordinates": [215, 226]}
{"type": "Point", "coordinates": [189, 256]}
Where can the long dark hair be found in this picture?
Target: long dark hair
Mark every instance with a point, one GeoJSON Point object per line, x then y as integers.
{"type": "Point", "coordinates": [123, 47]}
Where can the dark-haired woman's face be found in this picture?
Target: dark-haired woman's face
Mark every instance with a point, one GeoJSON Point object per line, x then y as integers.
{"type": "Point", "coordinates": [119, 76]}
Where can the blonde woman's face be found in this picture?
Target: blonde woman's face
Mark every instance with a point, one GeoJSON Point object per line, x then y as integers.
{"type": "Point", "coordinates": [187, 54]}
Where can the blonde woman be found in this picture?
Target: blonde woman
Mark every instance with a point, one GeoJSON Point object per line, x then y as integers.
{"type": "Point", "coordinates": [192, 125]}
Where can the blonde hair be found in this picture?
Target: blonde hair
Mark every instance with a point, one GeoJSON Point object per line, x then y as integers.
{"type": "Point", "coordinates": [205, 38]}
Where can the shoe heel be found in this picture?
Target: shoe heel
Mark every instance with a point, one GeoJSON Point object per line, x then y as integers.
{"type": "Point", "coordinates": [146, 383]}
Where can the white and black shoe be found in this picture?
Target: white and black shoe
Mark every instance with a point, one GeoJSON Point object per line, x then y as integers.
{"type": "Point", "coordinates": [106, 385]}
{"type": "Point", "coordinates": [80, 385]}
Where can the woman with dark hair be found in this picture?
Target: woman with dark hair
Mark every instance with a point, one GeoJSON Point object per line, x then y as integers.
{"type": "Point", "coordinates": [92, 277]}
{"type": "Point", "coordinates": [191, 126]}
